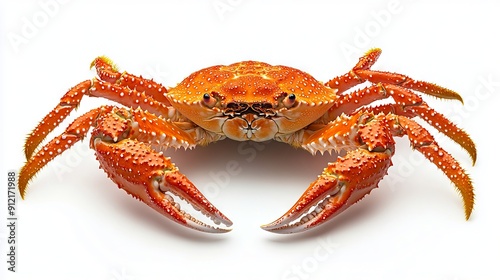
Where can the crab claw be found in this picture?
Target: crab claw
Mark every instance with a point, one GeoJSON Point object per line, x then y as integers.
{"type": "Point", "coordinates": [172, 184]}
{"type": "Point", "coordinates": [342, 184]}
{"type": "Point", "coordinates": [150, 177]}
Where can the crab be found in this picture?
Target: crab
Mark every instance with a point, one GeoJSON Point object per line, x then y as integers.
{"type": "Point", "coordinates": [252, 101]}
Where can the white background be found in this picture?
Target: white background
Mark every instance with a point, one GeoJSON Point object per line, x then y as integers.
{"type": "Point", "coordinates": [75, 224]}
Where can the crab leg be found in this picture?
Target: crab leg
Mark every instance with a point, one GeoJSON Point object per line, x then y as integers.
{"type": "Point", "coordinates": [126, 89]}
{"type": "Point", "coordinates": [107, 71]}
{"type": "Point", "coordinates": [96, 88]}
{"type": "Point", "coordinates": [75, 132]}
{"type": "Point", "coordinates": [153, 179]}
{"type": "Point", "coordinates": [370, 145]}
{"type": "Point", "coordinates": [398, 87]}
{"type": "Point", "coordinates": [129, 145]}
{"type": "Point", "coordinates": [361, 73]}
{"type": "Point", "coordinates": [407, 104]}
{"type": "Point", "coordinates": [68, 103]}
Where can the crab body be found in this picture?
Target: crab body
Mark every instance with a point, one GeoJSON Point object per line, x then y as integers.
{"type": "Point", "coordinates": [251, 101]}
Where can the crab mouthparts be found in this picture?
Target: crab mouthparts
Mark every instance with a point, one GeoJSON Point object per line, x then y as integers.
{"type": "Point", "coordinates": [238, 109]}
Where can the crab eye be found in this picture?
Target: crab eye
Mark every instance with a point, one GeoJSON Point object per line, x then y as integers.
{"type": "Point", "coordinates": [209, 100]}
{"type": "Point", "coordinates": [289, 100]}
{"type": "Point", "coordinates": [206, 97]}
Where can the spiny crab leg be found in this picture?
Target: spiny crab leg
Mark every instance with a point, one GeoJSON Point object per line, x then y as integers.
{"type": "Point", "coordinates": [437, 120]}
{"type": "Point", "coordinates": [126, 89]}
{"type": "Point", "coordinates": [107, 71]}
{"type": "Point", "coordinates": [369, 139]}
{"type": "Point", "coordinates": [129, 145]}
{"type": "Point", "coordinates": [408, 104]}
{"type": "Point", "coordinates": [361, 72]}
{"type": "Point", "coordinates": [399, 87]}
{"type": "Point", "coordinates": [68, 103]}
{"type": "Point", "coordinates": [75, 132]}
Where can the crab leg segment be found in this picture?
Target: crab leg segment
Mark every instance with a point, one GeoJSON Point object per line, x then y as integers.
{"type": "Point", "coordinates": [126, 89]}
{"type": "Point", "coordinates": [349, 80]}
{"type": "Point", "coordinates": [437, 120]}
{"type": "Point", "coordinates": [68, 103]}
{"type": "Point", "coordinates": [422, 141]}
{"type": "Point", "coordinates": [75, 132]}
{"type": "Point", "coordinates": [407, 104]}
{"type": "Point", "coordinates": [350, 178]}
{"type": "Point", "coordinates": [96, 88]}
{"type": "Point", "coordinates": [361, 73]}
{"type": "Point", "coordinates": [107, 71]}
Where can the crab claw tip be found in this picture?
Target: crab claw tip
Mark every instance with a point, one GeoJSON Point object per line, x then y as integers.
{"type": "Point", "coordinates": [207, 228]}
{"type": "Point", "coordinates": [314, 207]}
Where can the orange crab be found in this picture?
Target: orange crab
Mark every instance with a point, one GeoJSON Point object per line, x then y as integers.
{"type": "Point", "coordinates": [251, 101]}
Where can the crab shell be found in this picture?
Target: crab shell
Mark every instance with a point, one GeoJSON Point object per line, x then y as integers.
{"type": "Point", "coordinates": [251, 100]}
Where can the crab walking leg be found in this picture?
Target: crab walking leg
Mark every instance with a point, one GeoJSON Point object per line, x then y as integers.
{"type": "Point", "coordinates": [125, 141]}
{"type": "Point", "coordinates": [407, 104]}
{"type": "Point", "coordinates": [75, 132]}
{"type": "Point", "coordinates": [422, 141]}
{"type": "Point", "coordinates": [437, 120]}
{"type": "Point", "coordinates": [350, 79]}
{"type": "Point", "coordinates": [107, 71]}
{"type": "Point", "coordinates": [408, 83]}
{"type": "Point", "coordinates": [361, 73]}
{"type": "Point", "coordinates": [68, 103]}
{"type": "Point", "coordinates": [71, 100]}
{"type": "Point", "coordinates": [350, 178]}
